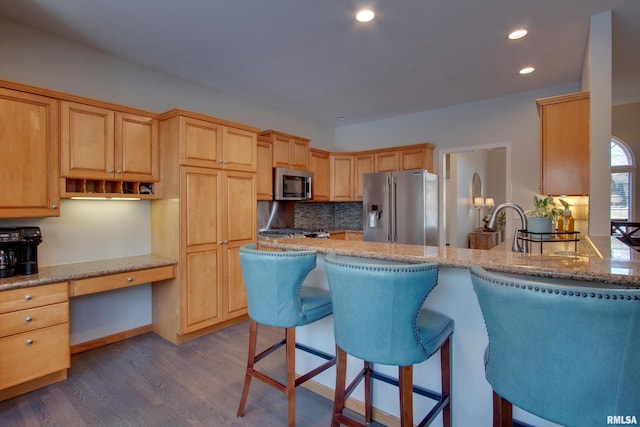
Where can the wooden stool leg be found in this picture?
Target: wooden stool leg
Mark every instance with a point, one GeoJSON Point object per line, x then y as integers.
{"type": "Point", "coordinates": [368, 413]}
{"type": "Point", "coordinates": [502, 412]}
{"type": "Point", "coordinates": [253, 334]}
{"type": "Point", "coordinates": [445, 368]}
{"type": "Point", "coordinates": [341, 378]}
{"type": "Point", "coordinates": [405, 377]}
{"type": "Point", "coordinates": [291, 375]}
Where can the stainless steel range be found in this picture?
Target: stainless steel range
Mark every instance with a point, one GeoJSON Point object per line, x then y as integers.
{"type": "Point", "coordinates": [294, 232]}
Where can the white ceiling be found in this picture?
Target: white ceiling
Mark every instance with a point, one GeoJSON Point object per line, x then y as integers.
{"type": "Point", "coordinates": [311, 59]}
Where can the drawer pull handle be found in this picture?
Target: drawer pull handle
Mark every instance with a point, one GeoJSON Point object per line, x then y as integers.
{"type": "Point", "coordinates": [29, 341]}
{"type": "Point", "coordinates": [28, 319]}
{"type": "Point", "coordinates": [27, 297]}
{"type": "Point", "coordinates": [129, 279]}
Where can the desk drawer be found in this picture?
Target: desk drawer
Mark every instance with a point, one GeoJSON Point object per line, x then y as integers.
{"type": "Point", "coordinates": [33, 354]}
{"type": "Point", "coordinates": [35, 296]}
{"type": "Point", "coordinates": [120, 280]}
{"type": "Point", "coordinates": [33, 318]}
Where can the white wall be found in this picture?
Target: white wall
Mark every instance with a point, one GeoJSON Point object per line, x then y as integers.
{"type": "Point", "coordinates": [92, 230]}
{"type": "Point", "coordinates": [38, 59]}
{"type": "Point", "coordinates": [599, 84]}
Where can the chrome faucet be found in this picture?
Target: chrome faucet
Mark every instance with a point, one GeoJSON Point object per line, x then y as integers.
{"type": "Point", "coordinates": [523, 219]}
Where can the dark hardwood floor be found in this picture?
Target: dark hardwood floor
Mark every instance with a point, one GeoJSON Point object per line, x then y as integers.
{"type": "Point", "coordinates": [147, 381]}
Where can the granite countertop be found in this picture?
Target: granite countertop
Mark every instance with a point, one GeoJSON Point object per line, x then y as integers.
{"type": "Point", "coordinates": [611, 262]}
{"type": "Point", "coordinates": [84, 270]}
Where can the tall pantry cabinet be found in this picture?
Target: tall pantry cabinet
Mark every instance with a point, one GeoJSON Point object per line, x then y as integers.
{"type": "Point", "coordinates": [207, 213]}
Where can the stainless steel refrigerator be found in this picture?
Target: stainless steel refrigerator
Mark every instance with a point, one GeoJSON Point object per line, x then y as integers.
{"type": "Point", "coordinates": [401, 207]}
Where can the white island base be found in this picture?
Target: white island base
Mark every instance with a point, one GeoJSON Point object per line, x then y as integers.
{"type": "Point", "coordinates": [471, 393]}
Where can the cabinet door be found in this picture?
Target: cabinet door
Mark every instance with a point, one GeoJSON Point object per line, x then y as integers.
{"type": "Point", "coordinates": [299, 154]}
{"type": "Point", "coordinates": [240, 227]}
{"type": "Point", "coordinates": [386, 161]}
{"type": "Point", "coordinates": [412, 158]}
{"type": "Point", "coordinates": [342, 185]}
{"type": "Point", "coordinates": [281, 153]}
{"type": "Point", "coordinates": [200, 143]}
{"type": "Point", "coordinates": [239, 215]}
{"type": "Point", "coordinates": [564, 145]}
{"type": "Point", "coordinates": [239, 150]}
{"type": "Point", "coordinates": [201, 290]}
{"type": "Point", "coordinates": [136, 148]}
{"type": "Point", "coordinates": [29, 167]}
{"type": "Point", "coordinates": [87, 134]}
{"type": "Point", "coordinates": [320, 165]}
{"type": "Point", "coordinates": [363, 163]}
{"type": "Point", "coordinates": [201, 195]}
{"type": "Point", "coordinates": [236, 296]}
{"type": "Point", "coordinates": [264, 170]}
{"type": "Point", "coordinates": [203, 267]}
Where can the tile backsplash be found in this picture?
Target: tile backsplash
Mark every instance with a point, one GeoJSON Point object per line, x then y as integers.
{"type": "Point", "coordinates": [341, 215]}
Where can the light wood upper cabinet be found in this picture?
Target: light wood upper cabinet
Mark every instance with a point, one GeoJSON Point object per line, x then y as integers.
{"type": "Point", "coordinates": [264, 169]}
{"type": "Point", "coordinates": [342, 183]}
{"type": "Point", "coordinates": [29, 168]}
{"type": "Point", "coordinates": [212, 145]}
{"type": "Point", "coordinates": [564, 144]}
{"type": "Point", "coordinates": [386, 160]}
{"type": "Point", "coordinates": [289, 151]}
{"type": "Point", "coordinates": [200, 142]}
{"type": "Point", "coordinates": [419, 156]}
{"type": "Point", "coordinates": [362, 163]}
{"type": "Point", "coordinates": [239, 149]}
{"type": "Point", "coordinates": [320, 165]}
{"type": "Point", "coordinates": [99, 143]}
{"type": "Point", "coordinates": [416, 157]}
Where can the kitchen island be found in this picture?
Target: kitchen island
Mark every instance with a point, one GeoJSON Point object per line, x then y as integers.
{"type": "Point", "coordinates": [600, 262]}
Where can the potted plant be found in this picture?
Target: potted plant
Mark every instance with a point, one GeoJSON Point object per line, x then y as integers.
{"type": "Point", "coordinates": [541, 218]}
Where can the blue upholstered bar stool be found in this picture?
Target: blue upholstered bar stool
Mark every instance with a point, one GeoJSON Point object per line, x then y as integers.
{"type": "Point", "coordinates": [276, 297]}
{"type": "Point", "coordinates": [378, 318]}
{"type": "Point", "coordinates": [563, 351]}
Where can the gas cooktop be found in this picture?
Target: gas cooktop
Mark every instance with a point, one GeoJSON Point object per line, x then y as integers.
{"type": "Point", "coordinates": [295, 232]}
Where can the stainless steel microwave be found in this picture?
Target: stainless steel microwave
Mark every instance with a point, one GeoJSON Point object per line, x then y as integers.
{"type": "Point", "coordinates": [291, 184]}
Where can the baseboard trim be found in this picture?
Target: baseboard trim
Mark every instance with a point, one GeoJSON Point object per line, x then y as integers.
{"type": "Point", "coordinates": [353, 404]}
{"type": "Point", "coordinates": [110, 339]}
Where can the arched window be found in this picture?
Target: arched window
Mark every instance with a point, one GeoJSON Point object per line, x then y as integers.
{"type": "Point", "coordinates": [622, 170]}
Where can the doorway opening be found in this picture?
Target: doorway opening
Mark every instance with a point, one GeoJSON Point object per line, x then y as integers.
{"type": "Point", "coordinates": [483, 172]}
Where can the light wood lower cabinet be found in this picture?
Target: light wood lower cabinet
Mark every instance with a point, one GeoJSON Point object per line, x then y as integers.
{"type": "Point", "coordinates": [34, 338]}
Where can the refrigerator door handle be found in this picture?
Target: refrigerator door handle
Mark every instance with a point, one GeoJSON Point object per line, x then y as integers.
{"type": "Point", "coordinates": [393, 231]}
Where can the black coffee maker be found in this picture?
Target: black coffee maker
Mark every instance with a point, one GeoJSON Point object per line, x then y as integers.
{"type": "Point", "coordinates": [9, 248]}
{"type": "Point", "coordinates": [27, 257]}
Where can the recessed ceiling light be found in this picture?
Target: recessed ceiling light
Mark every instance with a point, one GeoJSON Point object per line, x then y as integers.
{"type": "Point", "coordinates": [365, 15]}
{"type": "Point", "coordinates": [341, 118]}
{"type": "Point", "coordinates": [527, 70]}
{"type": "Point", "coordinates": [517, 34]}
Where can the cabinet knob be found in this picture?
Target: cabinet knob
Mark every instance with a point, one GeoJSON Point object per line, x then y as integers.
{"type": "Point", "coordinates": [129, 279]}
{"type": "Point", "coordinates": [226, 242]}
{"type": "Point", "coordinates": [28, 319]}
{"type": "Point", "coordinates": [119, 171]}
{"type": "Point", "coordinates": [110, 170]}
{"type": "Point", "coordinates": [29, 341]}
{"type": "Point", "coordinates": [220, 161]}
{"type": "Point", "coordinates": [54, 206]}
{"type": "Point", "coordinates": [27, 297]}
{"type": "Point", "coordinates": [220, 242]}
{"type": "Point", "coordinates": [225, 162]}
